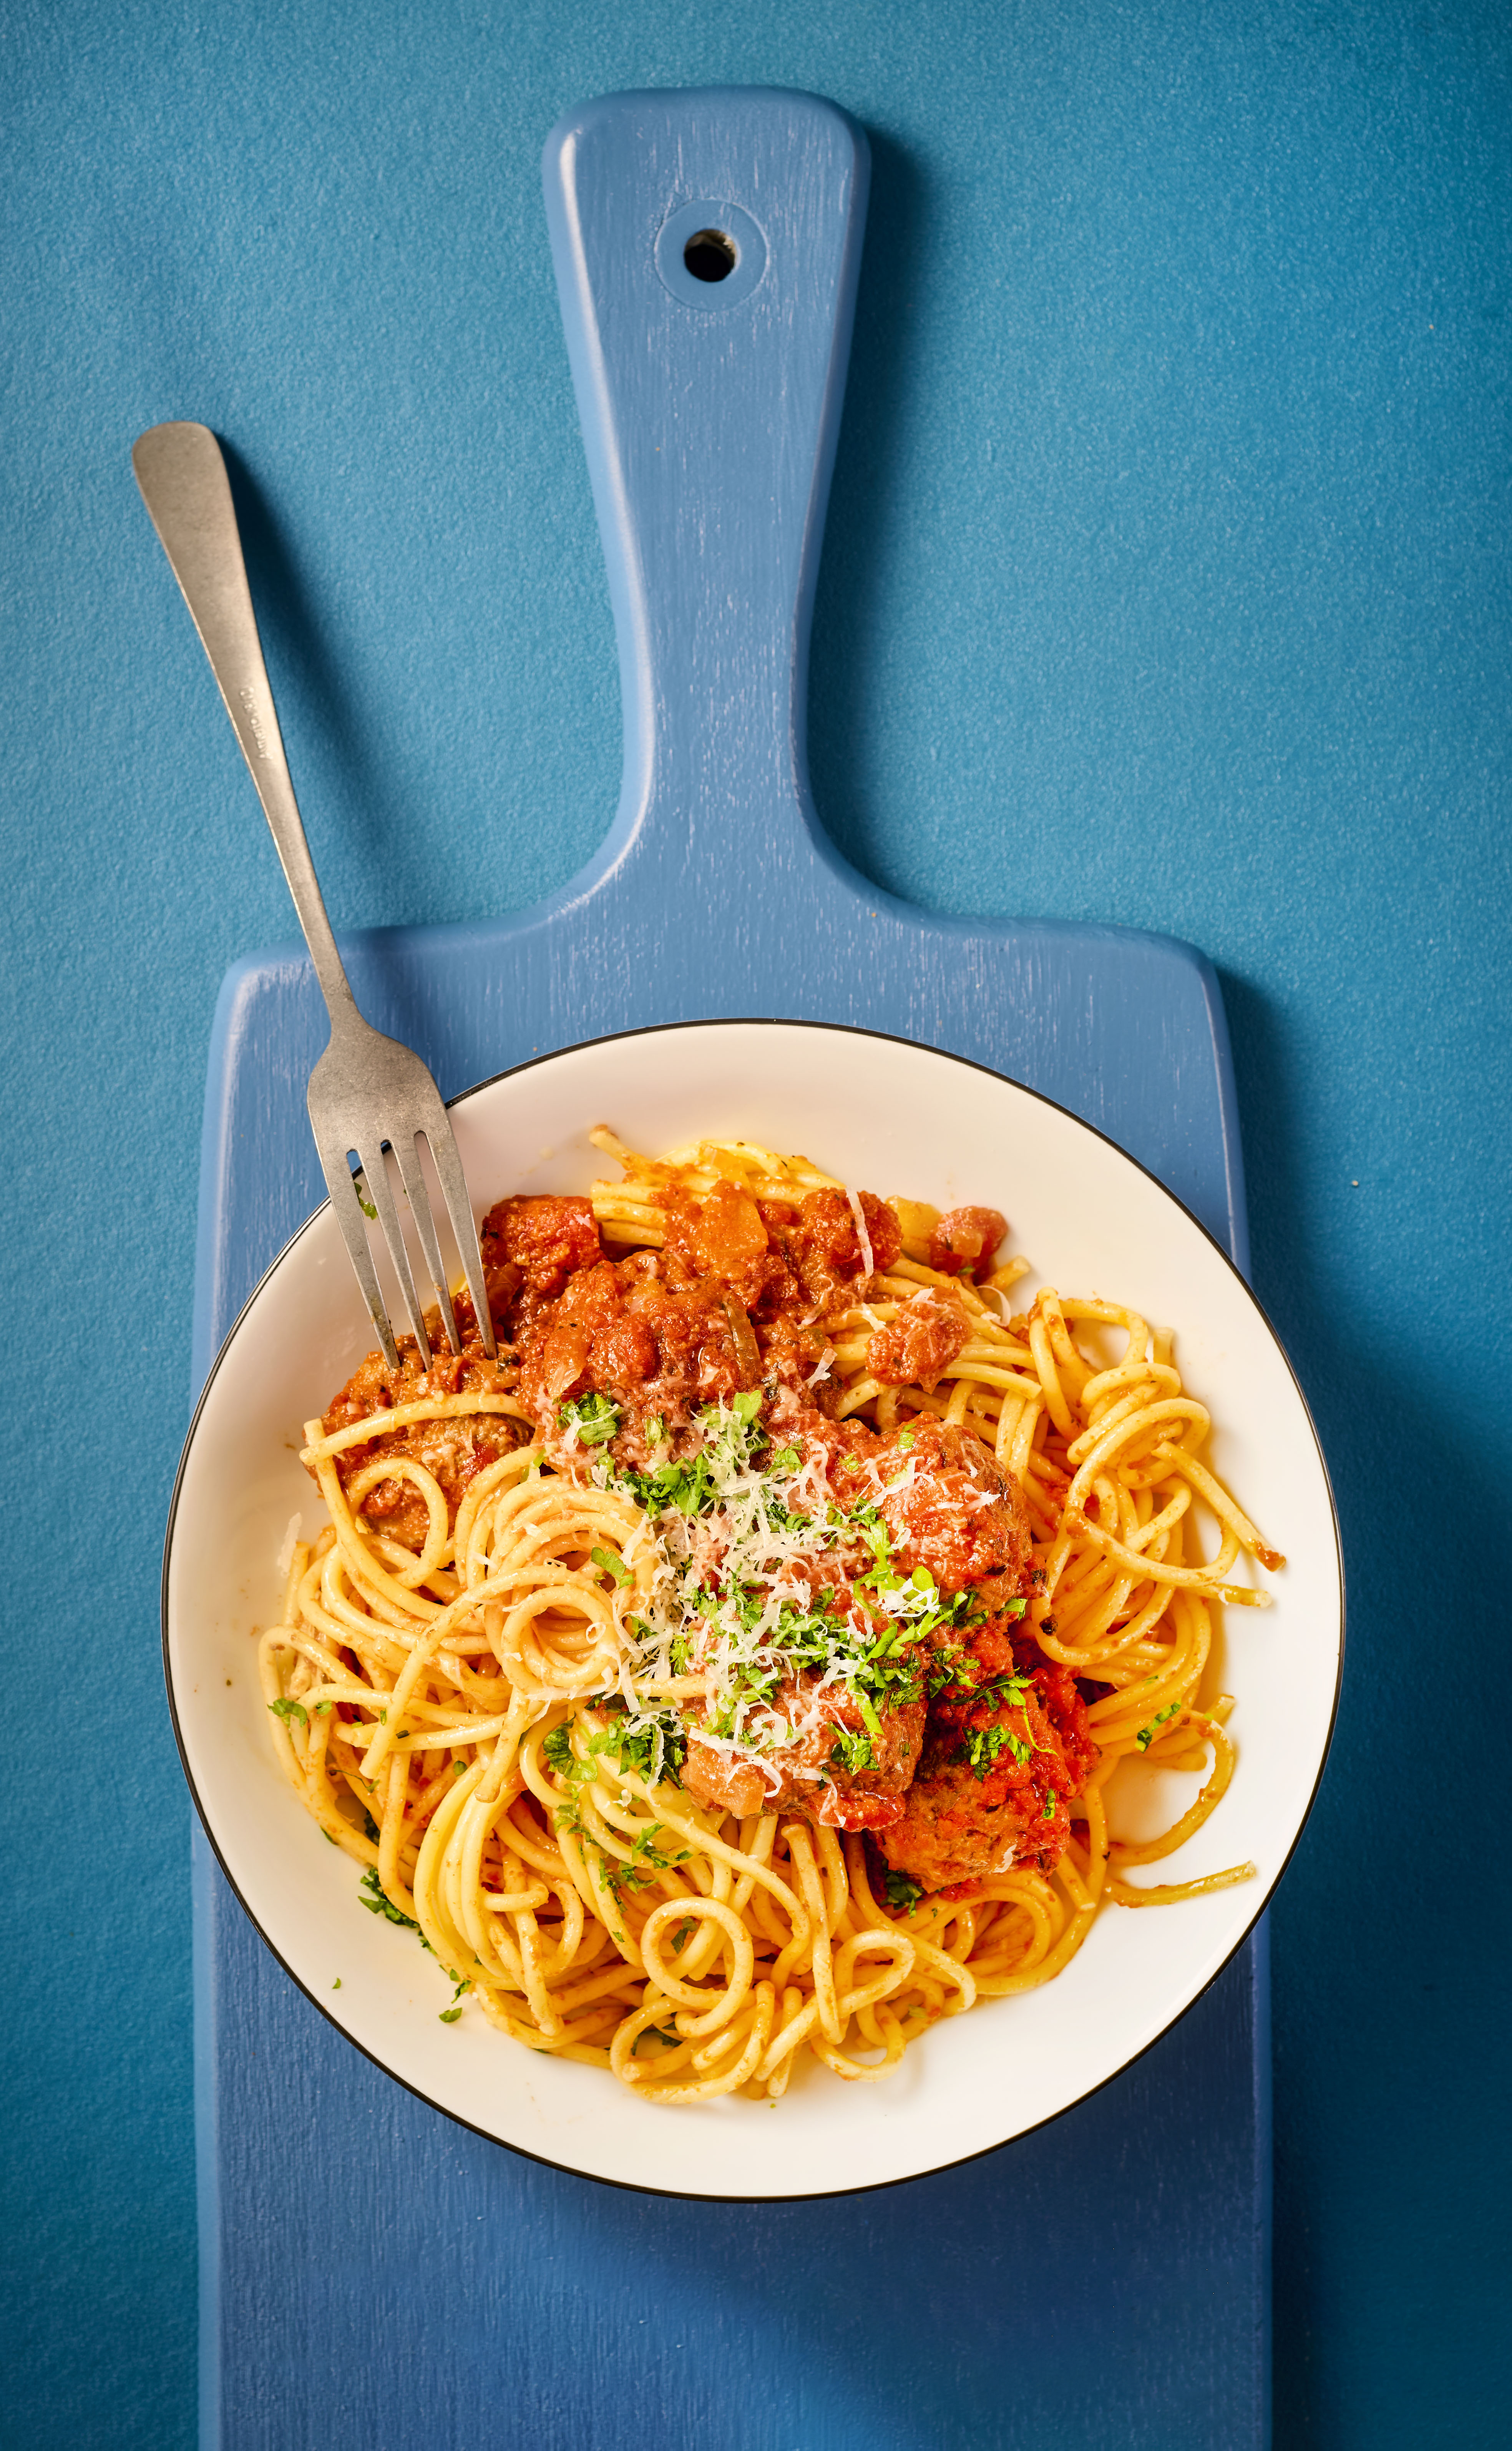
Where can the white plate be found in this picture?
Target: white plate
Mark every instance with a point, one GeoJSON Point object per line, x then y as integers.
{"type": "Point", "coordinates": [894, 1118]}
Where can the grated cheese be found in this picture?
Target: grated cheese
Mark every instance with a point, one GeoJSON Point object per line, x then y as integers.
{"type": "Point", "coordinates": [291, 1541]}
{"type": "Point", "coordinates": [868, 1262]}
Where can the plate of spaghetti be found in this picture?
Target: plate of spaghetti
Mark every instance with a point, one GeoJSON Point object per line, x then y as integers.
{"type": "Point", "coordinates": [889, 1555]}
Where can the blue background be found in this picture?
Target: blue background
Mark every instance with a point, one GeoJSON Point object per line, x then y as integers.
{"type": "Point", "coordinates": [1166, 583]}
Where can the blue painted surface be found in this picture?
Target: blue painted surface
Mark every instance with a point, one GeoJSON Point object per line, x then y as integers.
{"type": "Point", "coordinates": [478, 2297]}
{"type": "Point", "coordinates": [1165, 584]}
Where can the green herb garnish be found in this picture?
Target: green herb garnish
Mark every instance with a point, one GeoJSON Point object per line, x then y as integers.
{"type": "Point", "coordinates": [983, 1746]}
{"type": "Point", "coordinates": [645, 1860]}
{"type": "Point", "coordinates": [377, 1900]}
{"type": "Point", "coordinates": [556, 1747]}
{"type": "Point", "coordinates": [852, 1751]}
{"type": "Point", "coordinates": [596, 1419]}
{"type": "Point", "coordinates": [902, 1890]}
{"type": "Point", "coordinates": [1147, 1736]}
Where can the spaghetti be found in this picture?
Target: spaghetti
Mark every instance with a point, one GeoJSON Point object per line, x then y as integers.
{"type": "Point", "coordinates": [734, 1671]}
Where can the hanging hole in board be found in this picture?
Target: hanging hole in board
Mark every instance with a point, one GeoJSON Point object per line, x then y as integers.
{"type": "Point", "coordinates": [710, 255]}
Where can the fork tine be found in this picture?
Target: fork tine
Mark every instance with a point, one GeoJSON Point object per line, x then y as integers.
{"type": "Point", "coordinates": [348, 1215]}
{"type": "Point", "coordinates": [383, 1200]}
{"type": "Point", "coordinates": [441, 1141]}
{"type": "Point", "coordinates": [419, 1198]}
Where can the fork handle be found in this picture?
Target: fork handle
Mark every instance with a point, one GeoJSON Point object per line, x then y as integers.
{"type": "Point", "coordinates": [185, 486]}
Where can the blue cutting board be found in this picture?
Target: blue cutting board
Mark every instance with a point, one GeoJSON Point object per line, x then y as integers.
{"type": "Point", "coordinates": [371, 2273]}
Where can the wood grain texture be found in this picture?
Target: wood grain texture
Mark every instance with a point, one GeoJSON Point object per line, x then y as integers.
{"type": "Point", "coordinates": [370, 2272]}
{"type": "Point", "coordinates": [384, 2277]}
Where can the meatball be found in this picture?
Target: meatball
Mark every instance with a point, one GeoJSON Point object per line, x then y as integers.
{"type": "Point", "coordinates": [454, 1450]}
{"type": "Point", "coordinates": [954, 1512]}
{"type": "Point", "coordinates": [530, 1250]}
{"type": "Point", "coordinates": [966, 1238]}
{"type": "Point", "coordinates": [724, 1238]}
{"type": "Point", "coordinates": [811, 1776]}
{"type": "Point", "coordinates": [920, 1343]}
{"type": "Point", "coordinates": [822, 1243]}
{"type": "Point", "coordinates": [1004, 1756]}
{"type": "Point", "coordinates": [657, 1351]}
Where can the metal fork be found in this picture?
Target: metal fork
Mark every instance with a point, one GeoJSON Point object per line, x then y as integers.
{"type": "Point", "coordinates": [367, 1093]}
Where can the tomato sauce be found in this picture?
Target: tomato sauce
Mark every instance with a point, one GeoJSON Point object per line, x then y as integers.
{"type": "Point", "coordinates": [977, 1766]}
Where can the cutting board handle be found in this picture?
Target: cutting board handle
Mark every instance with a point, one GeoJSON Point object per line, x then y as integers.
{"type": "Point", "coordinates": [707, 246]}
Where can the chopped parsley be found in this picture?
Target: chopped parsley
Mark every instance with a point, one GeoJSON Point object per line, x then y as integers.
{"type": "Point", "coordinates": [646, 1860]}
{"type": "Point", "coordinates": [1009, 1692]}
{"type": "Point", "coordinates": [732, 1436]}
{"type": "Point", "coordinates": [285, 1710]}
{"type": "Point", "coordinates": [377, 1900]}
{"type": "Point", "coordinates": [949, 1668]}
{"type": "Point", "coordinates": [747, 1605]}
{"type": "Point", "coordinates": [655, 1746]}
{"type": "Point", "coordinates": [982, 1747]}
{"type": "Point", "coordinates": [851, 1751]}
{"type": "Point", "coordinates": [915, 1599]}
{"type": "Point", "coordinates": [556, 1747]}
{"type": "Point", "coordinates": [632, 1748]}
{"type": "Point", "coordinates": [1147, 1736]}
{"type": "Point", "coordinates": [611, 1565]}
{"type": "Point", "coordinates": [688, 1486]}
{"type": "Point", "coordinates": [902, 1890]}
{"type": "Point", "coordinates": [595, 1418]}
{"type": "Point", "coordinates": [954, 1679]}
